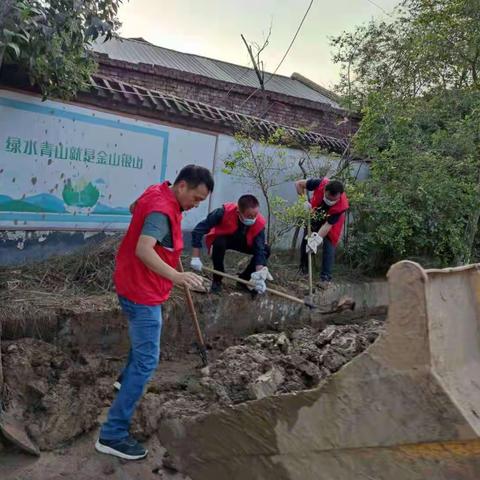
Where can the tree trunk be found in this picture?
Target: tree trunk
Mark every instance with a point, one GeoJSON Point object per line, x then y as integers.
{"type": "Point", "coordinates": [293, 246]}
{"type": "Point", "coordinates": [269, 216]}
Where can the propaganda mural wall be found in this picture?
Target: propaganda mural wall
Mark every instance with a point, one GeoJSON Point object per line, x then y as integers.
{"type": "Point", "coordinates": [74, 168]}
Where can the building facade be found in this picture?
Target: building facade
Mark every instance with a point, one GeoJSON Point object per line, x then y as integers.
{"type": "Point", "coordinates": [69, 170]}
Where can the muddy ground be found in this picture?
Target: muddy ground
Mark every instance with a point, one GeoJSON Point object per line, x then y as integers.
{"type": "Point", "coordinates": [61, 396]}
{"type": "Point", "coordinates": [58, 381]}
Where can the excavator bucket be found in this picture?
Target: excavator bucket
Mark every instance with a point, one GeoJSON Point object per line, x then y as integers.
{"type": "Point", "coordinates": [408, 408]}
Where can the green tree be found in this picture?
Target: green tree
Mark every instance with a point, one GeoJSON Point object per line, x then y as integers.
{"type": "Point", "coordinates": [429, 46]}
{"type": "Point", "coordinates": [422, 199]}
{"type": "Point", "coordinates": [50, 40]}
{"type": "Point", "coordinates": [416, 80]}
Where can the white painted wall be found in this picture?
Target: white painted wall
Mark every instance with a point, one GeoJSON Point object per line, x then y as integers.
{"type": "Point", "coordinates": [163, 149]}
{"type": "Point", "coordinates": [45, 145]}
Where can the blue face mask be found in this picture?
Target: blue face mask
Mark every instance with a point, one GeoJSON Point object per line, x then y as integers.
{"type": "Point", "coordinates": [248, 221]}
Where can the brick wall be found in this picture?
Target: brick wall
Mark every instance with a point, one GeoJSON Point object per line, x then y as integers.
{"type": "Point", "coordinates": [276, 107]}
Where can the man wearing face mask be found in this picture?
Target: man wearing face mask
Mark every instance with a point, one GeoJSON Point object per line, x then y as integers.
{"type": "Point", "coordinates": [234, 226]}
{"type": "Point", "coordinates": [330, 204]}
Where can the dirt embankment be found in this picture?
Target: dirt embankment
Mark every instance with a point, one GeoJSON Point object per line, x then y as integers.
{"type": "Point", "coordinates": [60, 395]}
{"type": "Point", "coordinates": [61, 392]}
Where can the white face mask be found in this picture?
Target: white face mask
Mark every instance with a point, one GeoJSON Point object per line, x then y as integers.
{"type": "Point", "coordinates": [248, 221]}
{"type": "Point", "coordinates": [328, 202]}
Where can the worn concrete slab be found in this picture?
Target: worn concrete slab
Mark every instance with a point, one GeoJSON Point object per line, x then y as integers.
{"type": "Point", "coordinates": [404, 409]}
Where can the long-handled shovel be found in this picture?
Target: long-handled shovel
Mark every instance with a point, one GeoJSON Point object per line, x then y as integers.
{"type": "Point", "coordinates": [305, 302]}
{"type": "Point", "coordinates": [309, 254]}
{"type": "Point", "coordinates": [201, 344]}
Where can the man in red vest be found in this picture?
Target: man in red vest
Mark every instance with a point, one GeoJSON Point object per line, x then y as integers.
{"type": "Point", "coordinates": [330, 204]}
{"type": "Point", "coordinates": [145, 272]}
{"type": "Point", "coordinates": [235, 226]}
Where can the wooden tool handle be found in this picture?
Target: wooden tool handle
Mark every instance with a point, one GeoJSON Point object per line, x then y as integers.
{"type": "Point", "coordinates": [191, 307]}
{"type": "Point", "coordinates": [251, 284]}
{"type": "Point", "coordinates": [309, 256]}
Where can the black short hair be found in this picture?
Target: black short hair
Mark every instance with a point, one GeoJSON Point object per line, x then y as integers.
{"type": "Point", "coordinates": [247, 201]}
{"type": "Point", "coordinates": [195, 175]}
{"type": "Point", "coordinates": [334, 187]}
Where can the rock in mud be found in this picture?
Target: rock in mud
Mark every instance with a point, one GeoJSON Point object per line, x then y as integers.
{"type": "Point", "coordinates": [267, 384]}
{"type": "Point", "coordinates": [14, 431]}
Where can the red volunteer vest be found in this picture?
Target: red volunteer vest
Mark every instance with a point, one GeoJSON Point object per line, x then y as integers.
{"type": "Point", "coordinates": [229, 225]}
{"type": "Point", "coordinates": [133, 279]}
{"type": "Point", "coordinates": [340, 207]}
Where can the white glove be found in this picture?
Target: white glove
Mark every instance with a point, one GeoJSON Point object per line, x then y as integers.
{"type": "Point", "coordinates": [307, 206]}
{"type": "Point", "coordinates": [259, 279]}
{"type": "Point", "coordinates": [313, 242]}
{"type": "Point", "coordinates": [196, 264]}
{"type": "Point", "coordinates": [260, 286]}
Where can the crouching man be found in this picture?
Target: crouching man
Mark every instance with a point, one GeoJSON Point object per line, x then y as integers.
{"type": "Point", "coordinates": [235, 226]}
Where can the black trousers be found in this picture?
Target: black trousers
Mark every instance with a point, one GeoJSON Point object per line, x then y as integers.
{"type": "Point", "coordinates": [328, 254]}
{"type": "Point", "coordinates": [229, 242]}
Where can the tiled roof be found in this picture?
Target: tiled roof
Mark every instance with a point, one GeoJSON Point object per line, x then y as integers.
{"type": "Point", "coordinates": [175, 106]}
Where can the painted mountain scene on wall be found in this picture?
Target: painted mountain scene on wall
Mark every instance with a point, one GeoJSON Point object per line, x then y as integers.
{"type": "Point", "coordinates": [80, 197]}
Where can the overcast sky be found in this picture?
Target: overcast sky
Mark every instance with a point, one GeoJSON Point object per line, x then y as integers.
{"type": "Point", "coordinates": [212, 28]}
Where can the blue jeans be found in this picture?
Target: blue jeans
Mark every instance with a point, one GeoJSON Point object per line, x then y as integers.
{"type": "Point", "coordinates": [328, 259]}
{"type": "Point", "coordinates": [144, 328]}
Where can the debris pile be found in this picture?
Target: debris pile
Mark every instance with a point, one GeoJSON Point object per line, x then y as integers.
{"type": "Point", "coordinates": [262, 365]}
{"type": "Point", "coordinates": [273, 363]}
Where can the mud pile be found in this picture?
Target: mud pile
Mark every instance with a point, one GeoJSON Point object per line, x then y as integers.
{"type": "Point", "coordinates": [262, 365]}
{"type": "Point", "coordinates": [60, 395]}
{"type": "Point", "coordinates": [57, 395]}
{"type": "Point", "coordinates": [269, 363]}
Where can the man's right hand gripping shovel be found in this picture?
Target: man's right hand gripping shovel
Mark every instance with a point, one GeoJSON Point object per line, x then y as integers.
{"type": "Point", "coordinates": [188, 279]}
